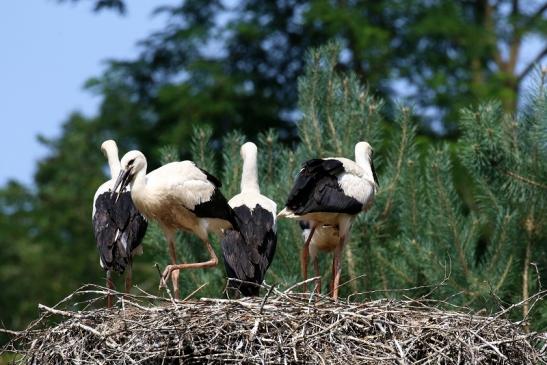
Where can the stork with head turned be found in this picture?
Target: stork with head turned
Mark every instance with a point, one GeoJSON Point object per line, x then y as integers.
{"type": "Point", "coordinates": [118, 227]}
{"type": "Point", "coordinates": [178, 195]}
{"type": "Point", "coordinates": [332, 191]}
{"type": "Point", "coordinates": [249, 251]}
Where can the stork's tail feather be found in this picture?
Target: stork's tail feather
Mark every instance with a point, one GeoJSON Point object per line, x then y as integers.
{"type": "Point", "coordinates": [233, 220]}
{"type": "Point", "coordinates": [286, 213]}
{"type": "Point", "coordinates": [243, 288]}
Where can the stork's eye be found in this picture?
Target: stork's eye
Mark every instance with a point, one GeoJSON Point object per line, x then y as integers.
{"type": "Point", "coordinates": [130, 162]}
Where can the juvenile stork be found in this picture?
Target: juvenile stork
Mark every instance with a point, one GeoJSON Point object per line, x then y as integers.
{"type": "Point", "coordinates": [325, 239]}
{"type": "Point", "coordinates": [332, 191]}
{"type": "Point", "coordinates": [178, 195]}
{"type": "Point", "coordinates": [249, 251]}
{"type": "Point", "coordinates": [119, 228]}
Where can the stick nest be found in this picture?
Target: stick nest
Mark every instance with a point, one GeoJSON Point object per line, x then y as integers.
{"type": "Point", "coordinates": [282, 327]}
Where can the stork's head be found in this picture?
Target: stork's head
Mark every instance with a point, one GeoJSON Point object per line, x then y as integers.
{"type": "Point", "coordinates": [363, 157]}
{"type": "Point", "coordinates": [248, 149]}
{"type": "Point", "coordinates": [363, 149]}
{"type": "Point", "coordinates": [131, 164]}
{"type": "Point", "coordinates": [109, 146]}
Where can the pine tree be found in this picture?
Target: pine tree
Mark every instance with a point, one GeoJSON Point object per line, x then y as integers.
{"type": "Point", "coordinates": [480, 237]}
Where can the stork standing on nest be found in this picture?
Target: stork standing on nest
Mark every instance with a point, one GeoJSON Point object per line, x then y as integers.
{"type": "Point", "coordinates": [325, 239]}
{"type": "Point", "coordinates": [178, 195]}
{"type": "Point", "coordinates": [332, 191]}
{"type": "Point", "coordinates": [118, 227]}
{"type": "Point", "coordinates": [249, 251]}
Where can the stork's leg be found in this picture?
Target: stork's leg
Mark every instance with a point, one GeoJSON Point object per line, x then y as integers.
{"type": "Point", "coordinates": [344, 229]}
{"type": "Point", "coordinates": [304, 257]}
{"type": "Point", "coordinates": [109, 285]}
{"type": "Point", "coordinates": [337, 268]}
{"type": "Point", "coordinates": [333, 274]}
{"type": "Point", "coordinates": [213, 261]}
{"type": "Point", "coordinates": [174, 274]}
{"type": "Point", "coordinates": [128, 277]}
{"type": "Point", "coordinates": [317, 273]}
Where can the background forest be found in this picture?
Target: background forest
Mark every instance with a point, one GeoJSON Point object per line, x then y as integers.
{"type": "Point", "coordinates": [460, 148]}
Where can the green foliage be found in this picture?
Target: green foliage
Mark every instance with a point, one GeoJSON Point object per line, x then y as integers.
{"type": "Point", "coordinates": [420, 231]}
{"type": "Point", "coordinates": [474, 209]}
{"type": "Point", "coordinates": [234, 64]}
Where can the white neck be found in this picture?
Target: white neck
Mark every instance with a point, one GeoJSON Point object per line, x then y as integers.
{"type": "Point", "coordinates": [138, 187]}
{"type": "Point", "coordinates": [249, 176]}
{"type": "Point", "coordinates": [113, 160]}
{"type": "Point", "coordinates": [362, 159]}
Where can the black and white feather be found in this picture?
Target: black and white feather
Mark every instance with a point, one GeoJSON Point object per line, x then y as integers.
{"type": "Point", "coordinates": [119, 230]}
{"type": "Point", "coordinates": [178, 196]}
{"type": "Point", "coordinates": [331, 192]}
{"type": "Point", "coordinates": [118, 227]}
{"type": "Point", "coordinates": [331, 185]}
{"type": "Point", "coordinates": [249, 250]}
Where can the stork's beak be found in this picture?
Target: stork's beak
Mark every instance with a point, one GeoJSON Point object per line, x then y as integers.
{"type": "Point", "coordinates": [121, 182]}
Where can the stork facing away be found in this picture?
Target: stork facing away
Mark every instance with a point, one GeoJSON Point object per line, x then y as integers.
{"type": "Point", "coordinates": [332, 192]}
{"type": "Point", "coordinates": [249, 251]}
{"type": "Point", "coordinates": [118, 227]}
{"type": "Point", "coordinates": [178, 195]}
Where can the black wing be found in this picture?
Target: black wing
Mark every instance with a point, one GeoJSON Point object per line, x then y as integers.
{"type": "Point", "coordinates": [119, 229]}
{"type": "Point", "coordinates": [248, 252]}
{"type": "Point", "coordinates": [216, 207]}
{"type": "Point", "coordinates": [316, 189]}
{"type": "Point", "coordinates": [375, 177]}
{"type": "Point", "coordinates": [216, 182]}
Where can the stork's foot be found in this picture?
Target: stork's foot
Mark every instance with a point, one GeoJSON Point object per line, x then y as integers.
{"type": "Point", "coordinates": [166, 274]}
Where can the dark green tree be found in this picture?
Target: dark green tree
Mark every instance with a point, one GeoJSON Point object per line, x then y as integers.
{"type": "Point", "coordinates": [482, 250]}
{"type": "Point", "coordinates": [235, 65]}
{"type": "Point", "coordinates": [230, 63]}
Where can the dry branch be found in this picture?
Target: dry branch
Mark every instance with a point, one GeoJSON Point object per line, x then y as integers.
{"type": "Point", "coordinates": [283, 328]}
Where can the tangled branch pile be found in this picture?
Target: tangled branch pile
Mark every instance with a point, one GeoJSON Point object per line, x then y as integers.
{"type": "Point", "coordinates": [282, 327]}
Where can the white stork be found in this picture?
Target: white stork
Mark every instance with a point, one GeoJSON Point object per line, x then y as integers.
{"type": "Point", "coordinates": [178, 195]}
{"type": "Point", "coordinates": [118, 227]}
{"type": "Point", "coordinates": [249, 251]}
{"type": "Point", "coordinates": [332, 192]}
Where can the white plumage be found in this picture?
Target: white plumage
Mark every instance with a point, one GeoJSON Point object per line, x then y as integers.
{"type": "Point", "coordinates": [331, 192]}
{"type": "Point", "coordinates": [178, 195]}
{"type": "Point", "coordinates": [249, 251]}
{"type": "Point", "coordinates": [118, 228]}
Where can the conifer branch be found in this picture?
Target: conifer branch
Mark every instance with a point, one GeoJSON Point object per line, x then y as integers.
{"type": "Point", "coordinates": [330, 121]}
{"type": "Point", "coordinates": [526, 180]}
{"type": "Point", "coordinates": [452, 224]}
{"type": "Point", "coordinates": [504, 275]}
{"type": "Point", "coordinates": [395, 269]}
{"type": "Point", "coordinates": [398, 166]}
{"type": "Point", "coordinates": [502, 238]}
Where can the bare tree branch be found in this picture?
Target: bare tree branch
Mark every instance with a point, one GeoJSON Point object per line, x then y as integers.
{"type": "Point", "coordinates": [531, 65]}
{"type": "Point", "coordinates": [535, 16]}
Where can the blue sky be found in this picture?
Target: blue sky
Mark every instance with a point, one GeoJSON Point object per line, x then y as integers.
{"type": "Point", "coordinates": [48, 51]}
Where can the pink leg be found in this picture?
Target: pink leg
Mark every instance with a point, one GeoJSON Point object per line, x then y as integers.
{"type": "Point", "coordinates": [173, 270]}
{"type": "Point", "coordinates": [337, 268]}
{"type": "Point", "coordinates": [128, 276]}
{"type": "Point", "coordinates": [110, 285]}
{"type": "Point", "coordinates": [174, 275]}
{"type": "Point", "coordinates": [317, 273]}
{"type": "Point", "coordinates": [304, 257]}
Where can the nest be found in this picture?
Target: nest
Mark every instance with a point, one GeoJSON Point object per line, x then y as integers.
{"type": "Point", "coordinates": [282, 327]}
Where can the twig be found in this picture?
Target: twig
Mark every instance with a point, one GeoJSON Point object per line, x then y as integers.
{"type": "Point", "coordinates": [165, 286]}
